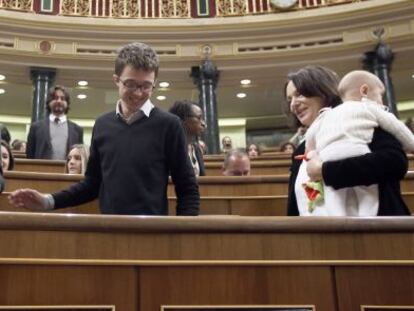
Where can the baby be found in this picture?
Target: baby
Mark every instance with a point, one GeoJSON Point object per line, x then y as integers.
{"type": "Point", "coordinates": [345, 131]}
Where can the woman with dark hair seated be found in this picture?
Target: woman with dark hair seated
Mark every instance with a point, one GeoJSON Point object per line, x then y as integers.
{"type": "Point", "coordinates": [193, 123]}
{"type": "Point", "coordinates": [7, 159]}
{"type": "Point", "coordinates": [19, 145]}
{"type": "Point", "coordinates": [288, 147]}
{"type": "Point", "coordinates": [253, 151]}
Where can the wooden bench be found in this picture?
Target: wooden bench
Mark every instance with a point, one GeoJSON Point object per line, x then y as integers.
{"type": "Point", "coordinates": [259, 166]}
{"type": "Point", "coordinates": [265, 157]}
{"type": "Point", "coordinates": [41, 166]}
{"type": "Point", "coordinates": [226, 205]}
{"type": "Point", "coordinates": [209, 186]}
{"type": "Point", "coordinates": [143, 263]}
{"type": "Point", "coordinates": [256, 168]}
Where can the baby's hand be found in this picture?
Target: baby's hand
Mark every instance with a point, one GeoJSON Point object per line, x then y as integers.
{"type": "Point", "coordinates": [311, 154]}
{"type": "Point", "coordinates": [314, 166]}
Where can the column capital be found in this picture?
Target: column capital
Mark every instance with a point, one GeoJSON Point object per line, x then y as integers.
{"type": "Point", "coordinates": [42, 73]}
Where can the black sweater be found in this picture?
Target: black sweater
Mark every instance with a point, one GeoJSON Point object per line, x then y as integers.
{"type": "Point", "coordinates": [129, 166]}
{"type": "Point", "coordinates": [386, 165]}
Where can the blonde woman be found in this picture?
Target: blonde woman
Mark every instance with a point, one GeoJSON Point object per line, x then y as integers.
{"type": "Point", "coordinates": [77, 159]}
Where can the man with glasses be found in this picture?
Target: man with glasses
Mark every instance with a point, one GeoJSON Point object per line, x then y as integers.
{"type": "Point", "coordinates": [133, 151]}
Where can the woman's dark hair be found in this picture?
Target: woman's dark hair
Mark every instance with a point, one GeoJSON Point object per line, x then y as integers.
{"type": "Point", "coordinates": [315, 81]}
{"type": "Point", "coordinates": [285, 144]}
{"type": "Point", "coordinates": [11, 161]}
{"type": "Point", "coordinates": [5, 134]}
{"type": "Point", "coordinates": [183, 109]}
{"type": "Point", "coordinates": [17, 144]}
{"type": "Point", "coordinates": [259, 150]}
{"type": "Point", "coordinates": [51, 96]}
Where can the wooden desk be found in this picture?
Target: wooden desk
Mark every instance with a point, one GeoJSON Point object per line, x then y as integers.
{"type": "Point", "coordinates": [141, 263]}
{"type": "Point", "coordinates": [263, 165]}
{"type": "Point", "coordinates": [275, 205]}
{"type": "Point", "coordinates": [40, 166]}
{"type": "Point", "coordinates": [209, 186]}
{"type": "Point", "coordinates": [257, 168]}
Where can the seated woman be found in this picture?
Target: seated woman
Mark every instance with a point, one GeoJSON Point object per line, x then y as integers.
{"type": "Point", "coordinates": [193, 123]}
{"type": "Point", "coordinates": [253, 151]}
{"type": "Point", "coordinates": [7, 159]}
{"type": "Point", "coordinates": [288, 147]}
{"type": "Point", "coordinates": [308, 91]}
{"type": "Point", "coordinates": [19, 145]}
{"type": "Point", "coordinates": [77, 159]}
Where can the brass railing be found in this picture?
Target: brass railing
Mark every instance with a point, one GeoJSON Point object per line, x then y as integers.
{"type": "Point", "coordinates": [245, 7]}
{"type": "Point", "coordinates": [162, 8]}
{"type": "Point", "coordinates": [126, 8]}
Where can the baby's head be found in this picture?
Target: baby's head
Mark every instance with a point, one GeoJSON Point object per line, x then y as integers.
{"type": "Point", "coordinates": [360, 84]}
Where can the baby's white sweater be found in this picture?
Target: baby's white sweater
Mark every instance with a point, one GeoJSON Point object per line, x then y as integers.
{"type": "Point", "coordinates": [354, 122]}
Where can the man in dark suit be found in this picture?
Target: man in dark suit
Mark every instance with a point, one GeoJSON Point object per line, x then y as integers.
{"type": "Point", "coordinates": [52, 137]}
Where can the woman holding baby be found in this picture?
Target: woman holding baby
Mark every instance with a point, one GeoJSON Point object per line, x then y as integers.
{"type": "Point", "coordinates": [310, 92]}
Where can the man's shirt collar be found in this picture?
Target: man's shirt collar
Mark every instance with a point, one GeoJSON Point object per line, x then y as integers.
{"type": "Point", "coordinates": [62, 119]}
{"type": "Point", "coordinates": [144, 110]}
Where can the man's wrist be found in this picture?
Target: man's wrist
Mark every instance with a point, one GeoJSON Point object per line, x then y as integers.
{"type": "Point", "coordinates": [49, 202]}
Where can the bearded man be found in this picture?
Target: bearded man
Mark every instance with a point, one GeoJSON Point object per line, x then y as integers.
{"type": "Point", "coordinates": [52, 137]}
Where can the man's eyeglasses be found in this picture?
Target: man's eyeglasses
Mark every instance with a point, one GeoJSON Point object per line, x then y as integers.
{"type": "Point", "coordinates": [132, 86]}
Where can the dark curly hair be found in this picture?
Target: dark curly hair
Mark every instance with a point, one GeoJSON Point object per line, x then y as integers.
{"type": "Point", "coordinates": [138, 55]}
{"type": "Point", "coordinates": [183, 109]}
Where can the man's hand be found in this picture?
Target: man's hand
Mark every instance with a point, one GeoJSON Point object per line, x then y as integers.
{"type": "Point", "coordinates": [314, 166]}
{"type": "Point", "coordinates": [30, 199]}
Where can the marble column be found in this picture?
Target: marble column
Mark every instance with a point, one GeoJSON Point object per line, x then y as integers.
{"type": "Point", "coordinates": [206, 77]}
{"type": "Point", "coordinates": [42, 79]}
{"type": "Point", "coordinates": [379, 62]}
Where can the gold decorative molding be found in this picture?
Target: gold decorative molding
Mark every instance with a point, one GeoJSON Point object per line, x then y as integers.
{"type": "Point", "coordinates": [20, 5]}
{"type": "Point", "coordinates": [46, 47]}
{"type": "Point", "coordinates": [164, 8]}
{"type": "Point", "coordinates": [60, 307]}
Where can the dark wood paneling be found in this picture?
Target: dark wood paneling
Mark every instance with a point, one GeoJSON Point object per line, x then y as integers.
{"type": "Point", "coordinates": [379, 286]}
{"type": "Point", "coordinates": [236, 286]}
{"type": "Point", "coordinates": [69, 285]}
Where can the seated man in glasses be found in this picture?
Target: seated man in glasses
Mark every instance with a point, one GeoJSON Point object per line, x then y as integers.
{"type": "Point", "coordinates": [133, 151]}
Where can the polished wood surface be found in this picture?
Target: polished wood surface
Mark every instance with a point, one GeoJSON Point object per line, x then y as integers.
{"type": "Point", "coordinates": [209, 185]}
{"type": "Point", "coordinates": [228, 205]}
{"type": "Point", "coordinates": [256, 168]}
{"type": "Point", "coordinates": [262, 165]}
{"type": "Point", "coordinates": [41, 166]}
{"type": "Point", "coordinates": [225, 205]}
{"type": "Point", "coordinates": [358, 285]}
{"type": "Point", "coordinates": [263, 157]}
{"type": "Point", "coordinates": [141, 263]}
